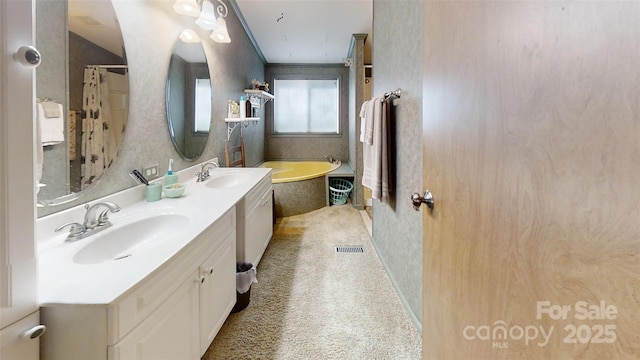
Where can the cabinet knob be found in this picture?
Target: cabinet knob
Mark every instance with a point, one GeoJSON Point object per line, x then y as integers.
{"type": "Point", "coordinates": [33, 333]}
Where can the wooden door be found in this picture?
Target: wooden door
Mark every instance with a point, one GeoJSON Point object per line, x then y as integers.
{"type": "Point", "coordinates": [532, 150]}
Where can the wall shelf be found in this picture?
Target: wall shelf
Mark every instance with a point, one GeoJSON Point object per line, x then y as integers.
{"type": "Point", "coordinates": [232, 123]}
{"type": "Point", "coordinates": [254, 96]}
{"type": "Point", "coordinates": [260, 95]}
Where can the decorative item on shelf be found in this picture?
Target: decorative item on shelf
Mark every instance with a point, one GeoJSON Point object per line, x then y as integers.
{"type": "Point", "coordinates": [233, 109]}
{"type": "Point", "coordinates": [206, 18]}
{"type": "Point", "coordinates": [260, 86]}
{"type": "Point", "coordinates": [255, 101]}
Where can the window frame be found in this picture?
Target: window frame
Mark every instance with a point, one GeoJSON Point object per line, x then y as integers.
{"type": "Point", "coordinates": [338, 80]}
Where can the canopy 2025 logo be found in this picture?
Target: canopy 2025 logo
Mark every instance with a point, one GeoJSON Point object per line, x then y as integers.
{"type": "Point", "coordinates": [500, 333]}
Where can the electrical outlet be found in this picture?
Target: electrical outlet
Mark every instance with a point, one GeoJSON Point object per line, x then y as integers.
{"type": "Point", "coordinates": [150, 171]}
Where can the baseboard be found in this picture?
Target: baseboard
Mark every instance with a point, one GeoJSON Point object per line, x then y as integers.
{"type": "Point", "coordinates": [416, 322]}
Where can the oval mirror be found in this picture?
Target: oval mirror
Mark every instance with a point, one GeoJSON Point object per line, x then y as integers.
{"type": "Point", "coordinates": [188, 97]}
{"type": "Point", "coordinates": [83, 95]}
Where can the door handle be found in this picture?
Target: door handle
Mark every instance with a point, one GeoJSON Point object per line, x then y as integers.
{"type": "Point", "coordinates": [418, 200]}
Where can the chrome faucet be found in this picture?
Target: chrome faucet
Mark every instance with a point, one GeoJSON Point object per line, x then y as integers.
{"type": "Point", "coordinates": [93, 222]}
{"type": "Point", "coordinates": [330, 158]}
{"type": "Point", "coordinates": [90, 218]}
{"type": "Point", "coordinates": [203, 174]}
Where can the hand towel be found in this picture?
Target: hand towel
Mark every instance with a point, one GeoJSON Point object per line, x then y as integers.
{"type": "Point", "coordinates": [39, 155]}
{"type": "Point", "coordinates": [372, 153]}
{"type": "Point", "coordinates": [51, 129]}
{"type": "Point", "coordinates": [363, 120]}
{"type": "Point", "coordinates": [378, 170]}
{"type": "Point", "coordinates": [370, 121]}
{"type": "Point", "coordinates": [51, 109]}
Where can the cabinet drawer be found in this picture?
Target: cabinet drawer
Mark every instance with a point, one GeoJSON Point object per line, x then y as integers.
{"type": "Point", "coordinates": [255, 196]}
{"type": "Point", "coordinates": [126, 313]}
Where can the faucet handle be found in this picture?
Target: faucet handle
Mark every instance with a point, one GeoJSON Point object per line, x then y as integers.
{"type": "Point", "coordinates": [103, 219]}
{"type": "Point", "coordinates": [75, 228]}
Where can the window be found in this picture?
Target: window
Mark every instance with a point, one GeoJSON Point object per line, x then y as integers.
{"type": "Point", "coordinates": [202, 118]}
{"type": "Point", "coordinates": [306, 106]}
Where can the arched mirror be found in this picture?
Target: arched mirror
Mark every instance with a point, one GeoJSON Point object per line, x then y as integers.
{"type": "Point", "coordinates": [189, 97]}
{"type": "Point", "coordinates": [82, 95]}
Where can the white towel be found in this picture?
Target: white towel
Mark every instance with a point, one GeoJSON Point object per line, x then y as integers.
{"type": "Point", "coordinates": [51, 109]}
{"type": "Point", "coordinates": [372, 153]}
{"type": "Point", "coordinates": [39, 156]}
{"type": "Point", "coordinates": [370, 121]}
{"type": "Point", "coordinates": [51, 129]}
{"type": "Point", "coordinates": [377, 155]}
{"type": "Point", "coordinates": [363, 120]}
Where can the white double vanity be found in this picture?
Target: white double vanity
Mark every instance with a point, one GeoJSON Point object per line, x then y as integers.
{"type": "Point", "coordinates": [160, 282]}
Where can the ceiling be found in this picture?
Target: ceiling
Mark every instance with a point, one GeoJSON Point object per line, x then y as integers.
{"type": "Point", "coordinates": [306, 31]}
{"type": "Point", "coordinates": [97, 22]}
{"type": "Point", "coordinates": [285, 31]}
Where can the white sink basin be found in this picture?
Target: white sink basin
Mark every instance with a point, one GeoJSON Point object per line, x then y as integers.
{"type": "Point", "coordinates": [123, 241]}
{"type": "Point", "coordinates": [228, 179]}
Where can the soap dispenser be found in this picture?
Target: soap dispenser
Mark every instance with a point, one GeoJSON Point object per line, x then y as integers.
{"type": "Point", "coordinates": [170, 178]}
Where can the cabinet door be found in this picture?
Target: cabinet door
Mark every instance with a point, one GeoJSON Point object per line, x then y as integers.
{"type": "Point", "coordinates": [170, 332]}
{"type": "Point", "coordinates": [217, 290]}
{"type": "Point", "coordinates": [16, 347]}
{"type": "Point", "coordinates": [258, 229]}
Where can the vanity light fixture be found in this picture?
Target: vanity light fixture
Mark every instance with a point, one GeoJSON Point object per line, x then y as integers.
{"type": "Point", "coordinates": [187, 7]}
{"type": "Point", "coordinates": [207, 18]}
{"type": "Point", "coordinates": [189, 36]}
{"type": "Point", "coordinates": [220, 34]}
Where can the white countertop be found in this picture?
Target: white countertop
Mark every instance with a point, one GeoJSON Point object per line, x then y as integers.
{"type": "Point", "coordinates": [63, 281]}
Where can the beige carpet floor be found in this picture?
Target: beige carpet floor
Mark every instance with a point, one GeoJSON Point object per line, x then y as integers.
{"type": "Point", "coordinates": [313, 303]}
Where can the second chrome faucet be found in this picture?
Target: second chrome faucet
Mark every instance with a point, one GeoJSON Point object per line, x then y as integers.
{"type": "Point", "coordinates": [203, 174]}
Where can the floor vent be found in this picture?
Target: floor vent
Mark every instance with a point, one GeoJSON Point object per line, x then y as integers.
{"type": "Point", "coordinates": [349, 249]}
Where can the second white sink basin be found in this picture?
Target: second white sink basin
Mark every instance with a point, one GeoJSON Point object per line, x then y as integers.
{"type": "Point", "coordinates": [122, 241]}
{"type": "Point", "coordinates": [228, 179]}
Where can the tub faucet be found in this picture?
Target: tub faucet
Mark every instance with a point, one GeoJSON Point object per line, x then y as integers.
{"type": "Point", "coordinates": [93, 222]}
{"type": "Point", "coordinates": [203, 174]}
{"type": "Point", "coordinates": [330, 158]}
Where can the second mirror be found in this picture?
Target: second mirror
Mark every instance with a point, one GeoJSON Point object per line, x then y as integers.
{"type": "Point", "coordinates": [189, 97]}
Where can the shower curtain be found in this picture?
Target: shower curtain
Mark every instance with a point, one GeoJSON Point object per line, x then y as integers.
{"type": "Point", "coordinates": [99, 142]}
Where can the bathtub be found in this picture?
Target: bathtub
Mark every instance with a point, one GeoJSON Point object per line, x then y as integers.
{"type": "Point", "coordinates": [299, 185]}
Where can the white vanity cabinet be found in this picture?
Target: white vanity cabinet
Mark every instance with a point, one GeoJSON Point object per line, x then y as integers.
{"type": "Point", "coordinates": [217, 290]}
{"type": "Point", "coordinates": [172, 314]}
{"type": "Point", "coordinates": [255, 222]}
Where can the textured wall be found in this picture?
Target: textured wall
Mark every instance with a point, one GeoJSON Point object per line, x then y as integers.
{"type": "Point", "coordinates": [312, 147]}
{"type": "Point", "coordinates": [150, 29]}
{"type": "Point", "coordinates": [397, 62]}
{"type": "Point", "coordinates": [51, 41]}
{"type": "Point", "coordinates": [356, 98]}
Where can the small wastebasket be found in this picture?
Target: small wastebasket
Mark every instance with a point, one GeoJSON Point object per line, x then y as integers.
{"type": "Point", "coordinates": [339, 190]}
{"type": "Point", "coordinates": [245, 276]}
